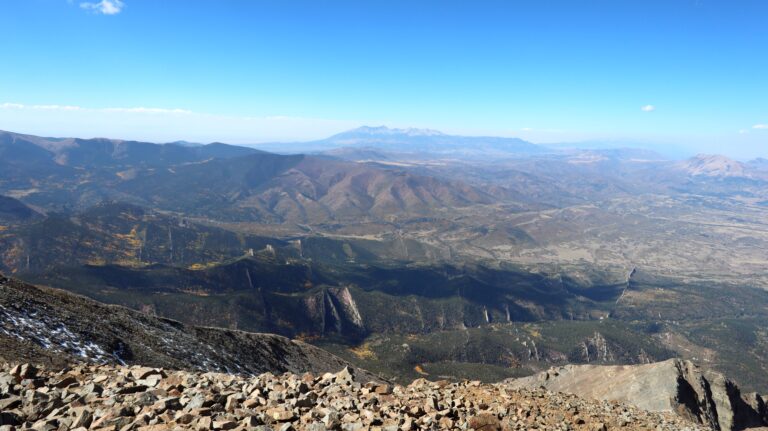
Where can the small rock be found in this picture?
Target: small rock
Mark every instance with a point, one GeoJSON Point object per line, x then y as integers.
{"type": "Point", "coordinates": [139, 373]}
{"type": "Point", "coordinates": [485, 422]}
{"type": "Point", "coordinates": [224, 425]}
{"type": "Point", "coordinates": [280, 414]}
{"type": "Point", "coordinates": [65, 382]}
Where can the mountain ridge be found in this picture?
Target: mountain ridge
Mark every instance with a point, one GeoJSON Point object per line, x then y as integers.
{"type": "Point", "coordinates": [233, 183]}
{"type": "Point", "coordinates": [670, 386]}
{"type": "Point", "coordinates": [44, 325]}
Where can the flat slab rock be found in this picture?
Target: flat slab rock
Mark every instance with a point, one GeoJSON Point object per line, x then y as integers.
{"type": "Point", "coordinates": [118, 398]}
{"type": "Point", "coordinates": [669, 386]}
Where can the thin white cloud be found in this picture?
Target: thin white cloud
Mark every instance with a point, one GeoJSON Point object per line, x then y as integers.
{"type": "Point", "coordinates": [40, 107]}
{"type": "Point", "coordinates": [648, 108]}
{"type": "Point", "coordinates": [57, 107]}
{"type": "Point", "coordinates": [137, 110]}
{"type": "Point", "coordinates": [743, 132]}
{"type": "Point", "coordinates": [163, 124]}
{"type": "Point", "coordinates": [143, 110]}
{"type": "Point", "coordinates": [760, 126]}
{"type": "Point", "coordinates": [104, 7]}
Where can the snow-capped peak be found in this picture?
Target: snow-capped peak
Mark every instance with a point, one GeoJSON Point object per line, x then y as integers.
{"type": "Point", "coordinates": [387, 131]}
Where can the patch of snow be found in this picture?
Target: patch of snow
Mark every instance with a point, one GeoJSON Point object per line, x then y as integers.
{"type": "Point", "coordinates": [49, 334]}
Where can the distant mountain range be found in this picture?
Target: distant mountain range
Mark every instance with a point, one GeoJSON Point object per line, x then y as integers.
{"type": "Point", "coordinates": [218, 180]}
{"type": "Point", "coordinates": [415, 142]}
{"type": "Point", "coordinates": [374, 173]}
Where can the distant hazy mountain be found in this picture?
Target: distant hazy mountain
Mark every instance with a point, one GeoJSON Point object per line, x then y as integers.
{"type": "Point", "coordinates": [416, 141]}
{"type": "Point", "coordinates": [385, 133]}
{"type": "Point", "coordinates": [431, 141]}
{"type": "Point", "coordinates": [760, 164]}
{"type": "Point", "coordinates": [614, 154]}
{"type": "Point", "coordinates": [718, 166]}
{"type": "Point", "coordinates": [186, 144]}
{"type": "Point", "coordinates": [36, 152]}
{"type": "Point", "coordinates": [666, 150]}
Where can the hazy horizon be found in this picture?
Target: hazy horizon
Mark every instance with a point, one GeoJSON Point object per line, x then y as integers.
{"type": "Point", "coordinates": [688, 74]}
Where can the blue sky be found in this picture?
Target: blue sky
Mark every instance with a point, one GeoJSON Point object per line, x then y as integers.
{"type": "Point", "coordinates": [262, 70]}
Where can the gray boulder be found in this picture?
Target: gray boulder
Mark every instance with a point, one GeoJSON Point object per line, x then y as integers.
{"type": "Point", "coordinates": [674, 385]}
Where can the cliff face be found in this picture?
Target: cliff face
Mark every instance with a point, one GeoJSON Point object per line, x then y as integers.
{"type": "Point", "coordinates": [333, 310]}
{"type": "Point", "coordinates": [49, 326]}
{"type": "Point", "coordinates": [674, 385]}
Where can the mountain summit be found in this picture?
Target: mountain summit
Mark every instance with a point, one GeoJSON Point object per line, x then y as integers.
{"type": "Point", "coordinates": [384, 131]}
{"type": "Point", "coordinates": [712, 165]}
{"type": "Point", "coordinates": [428, 142]}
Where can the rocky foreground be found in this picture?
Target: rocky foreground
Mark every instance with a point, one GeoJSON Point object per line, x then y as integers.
{"type": "Point", "coordinates": [140, 398]}
{"type": "Point", "coordinates": [675, 385]}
